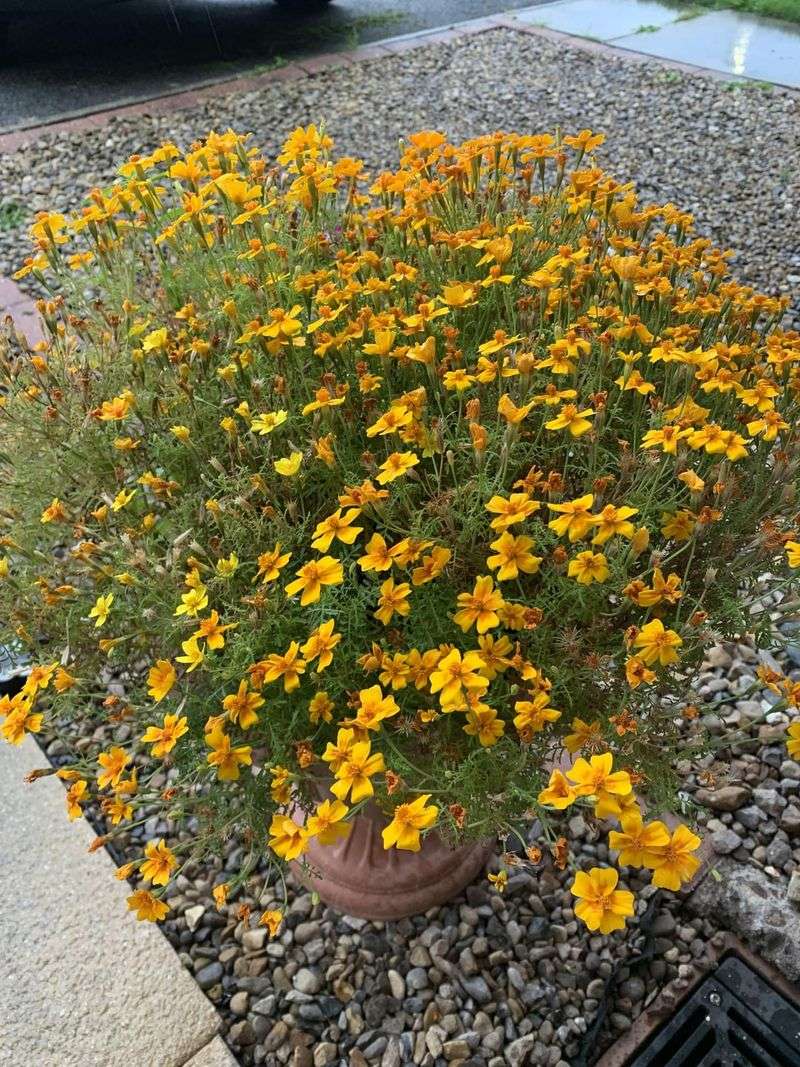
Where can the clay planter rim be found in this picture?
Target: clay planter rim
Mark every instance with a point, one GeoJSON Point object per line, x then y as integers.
{"type": "Point", "coordinates": [361, 878]}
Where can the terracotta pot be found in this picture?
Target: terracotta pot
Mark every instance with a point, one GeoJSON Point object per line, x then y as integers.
{"type": "Point", "coordinates": [360, 877]}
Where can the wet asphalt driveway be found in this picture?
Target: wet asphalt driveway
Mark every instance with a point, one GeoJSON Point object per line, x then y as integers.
{"type": "Point", "coordinates": [58, 65]}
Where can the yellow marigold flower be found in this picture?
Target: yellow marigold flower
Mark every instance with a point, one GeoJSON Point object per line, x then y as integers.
{"type": "Point", "coordinates": [272, 919]}
{"type": "Point", "coordinates": [241, 706]}
{"type": "Point", "coordinates": [510, 510]}
{"type": "Point", "coordinates": [117, 409]}
{"type": "Point", "coordinates": [288, 666]}
{"type": "Point", "coordinates": [270, 564]}
{"type": "Point", "coordinates": [584, 735]}
{"type": "Point", "coordinates": [458, 380]}
{"type": "Point", "coordinates": [212, 631]}
{"type": "Point", "coordinates": [156, 340]}
{"type": "Point", "coordinates": [339, 526]}
{"type": "Point", "coordinates": [479, 608]}
{"type": "Point", "coordinates": [290, 465]}
{"type": "Point", "coordinates": [398, 464]}
{"type": "Point", "coordinates": [19, 719]}
{"type": "Point", "coordinates": [192, 602]}
{"type": "Point", "coordinates": [193, 655]}
{"type": "Point", "coordinates": [496, 654]}
{"type": "Point", "coordinates": [267, 422]}
{"type": "Point", "coordinates": [484, 723]}
{"type": "Point", "coordinates": [431, 566]}
{"type": "Point", "coordinates": [421, 666]}
{"type": "Point", "coordinates": [512, 555]}
{"type": "Point", "coordinates": [287, 839]}
{"type": "Point", "coordinates": [588, 567]}
{"type": "Point", "coordinates": [793, 744]}
{"type": "Point", "coordinates": [160, 680]}
{"type": "Point", "coordinates": [613, 521]}
{"type": "Point", "coordinates": [378, 556]}
{"type": "Point", "coordinates": [123, 498]}
{"type": "Point", "coordinates": [559, 793]}
{"type": "Point", "coordinates": [673, 863]}
{"type": "Point", "coordinates": [160, 862]}
{"type": "Point", "coordinates": [323, 399]}
{"type": "Point", "coordinates": [533, 715]}
{"type": "Point", "coordinates": [147, 907]}
{"type": "Point", "coordinates": [220, 894]}
{"type": "Point", "coordinates": [510, 412]}
{"type": "Point", "coordinates": [183, 433]}
{"type": "Point", "coordinates": [638, 842]}
{"type": "Point", "coordinates": [101, 609]}
{"type": "Point", "coordinates": [63, 680]}
{"type": "Point", "coordinates": [455, 673]}
{"type": "Point", "coordinates": [39, 678]}
{"type": "Point", "coordinates": [337, 754]}
{"type": "Point", "coordinates": [666, 438]}
{"type": "Point", "coordinates": [595, 776]}
{"type": "Point", "coordinates": [408, 821]}
{"type": "Point", "coordinates": [393, 601]}
{"type": "Point", "coordinates": [225, 568]}
{"type": "Point", "coordinates": [76, 795]}
{"type": "Point", "coordinates": [281, 785]}
{"type": "Point", "coordinates": [392, 421]}
{"type": "Point", "coordinates": [224, 757]}
{"type": "Point", "coordinates": [4, 567]}
{"type": "Point", "coordinates": [354, 774]}
{"type": "Point", "coordinates": [792, 549]}
{"type": "Point", "coordinates": [313, 576]}
{"type": "Point", "coordinates": [600, 904]}
{"type": "Point", "coordinates": [326, 824]}
{"type": "Point", "coordinates": [569, 418]}
{"type": "Point", "coordinates": [458, 295]}
{"type": "Point", "coordinates": [395, 671]}
{"type": "Point", "coordinates": [113, 763]}
{"type": "Point", "coordinates": [164, 738]}
{"type": "Point", "coordinates": [320, 708]}
{"type": "Point", "coordinates": [499, 880]}
{"type": "Point", "coordinates": [320, 645]}
{"type": "Point", "coordinates": [576, 519]}
{"type": "Point", "coordinates": [373, 708]}
{"type": "Point", "coordinates": [637, 672]}
{"type": "Point", "coordinates": [657, 643]}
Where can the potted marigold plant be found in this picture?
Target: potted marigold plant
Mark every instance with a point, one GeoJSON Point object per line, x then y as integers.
{"type": "Point", "coordinates": [375, 496]}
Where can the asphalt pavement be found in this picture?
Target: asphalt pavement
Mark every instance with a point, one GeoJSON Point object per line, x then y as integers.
{"type": "Point", "coordinates": [87, 58]}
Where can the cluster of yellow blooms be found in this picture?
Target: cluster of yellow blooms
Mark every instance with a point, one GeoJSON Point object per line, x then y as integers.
{"type": "Point", "coordinates": [383, 483]}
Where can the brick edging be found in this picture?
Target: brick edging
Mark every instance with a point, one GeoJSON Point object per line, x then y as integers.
{"type": "Point", "coordinates": [22, 309]}
{"type": "Point", "coordinates": [315, 65]}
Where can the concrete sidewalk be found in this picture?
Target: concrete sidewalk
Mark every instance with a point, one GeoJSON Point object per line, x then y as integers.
{"type": "Point", "coordinates": [82, 983]}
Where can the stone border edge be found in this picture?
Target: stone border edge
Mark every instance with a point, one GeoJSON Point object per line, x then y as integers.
{"type": "Point", "coordinates": [314, 65]}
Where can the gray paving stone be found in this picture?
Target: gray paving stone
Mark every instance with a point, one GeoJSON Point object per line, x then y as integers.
{"type": "Point", "coordinates": [744, 46]}
{"type": "Point", "coordinates": [215, 1054]}
{"type": "Point", "coordinates": [81, 981]}
{"type": "Point", "coordinates": [601, 20]}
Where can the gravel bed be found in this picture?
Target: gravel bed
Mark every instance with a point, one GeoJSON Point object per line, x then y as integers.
{"type": "Point", "coordinates": [489, 979]}
{"type": "Point", "coordinates": [726, 154]}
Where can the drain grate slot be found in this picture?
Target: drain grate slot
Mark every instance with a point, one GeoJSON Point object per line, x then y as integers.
{"type": "Point", "coordinates": [733, 1019]}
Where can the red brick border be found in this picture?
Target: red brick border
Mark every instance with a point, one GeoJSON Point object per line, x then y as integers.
{"type": "Point", "coordinates": [314, 65]}
{"type": "Point", "coordinates": [22, 309]}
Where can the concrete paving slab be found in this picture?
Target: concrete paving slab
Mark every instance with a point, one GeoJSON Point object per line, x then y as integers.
{"type": "Point", "coordinates": [81, 981]}
{"type": "Point", "coordinates": [601, 20]}
{"type": "Point", "coordinates": [742, 45]}
{"type": "Point", "coordinates": [215, 1054]}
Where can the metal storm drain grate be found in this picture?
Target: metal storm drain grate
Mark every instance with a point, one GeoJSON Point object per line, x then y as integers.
{"type": "Point", "coordinates": [733, 1019]}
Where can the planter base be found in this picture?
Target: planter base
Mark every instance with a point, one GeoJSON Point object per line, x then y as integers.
{"type": "Point", "coordinates": [359, 877]}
